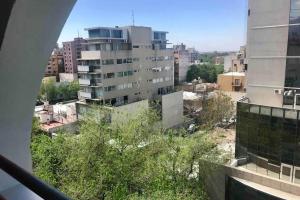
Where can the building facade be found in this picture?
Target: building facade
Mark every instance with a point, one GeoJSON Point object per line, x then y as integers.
{"type": "Point", "coordinates": [72, 52]}
{"type": "Point", "coordinates": [182, 62]}
{"type": "Point", "coordinates": [236, 62]}
{"type": "Point", "coordinates": [268, 131]}
{"type": "Point", "coordinates": [232, 81]}
{"type": "Point", "coordinates": [125, 64]}
{"type": "Point", "coordinates": [55, 63]}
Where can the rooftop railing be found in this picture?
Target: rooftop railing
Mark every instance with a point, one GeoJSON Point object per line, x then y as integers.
{"type": "Point", "coordinates": [31, 182]}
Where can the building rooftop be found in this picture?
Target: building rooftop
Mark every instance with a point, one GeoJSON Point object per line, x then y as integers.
{"type": "Point", "coordinates": [190, 96]}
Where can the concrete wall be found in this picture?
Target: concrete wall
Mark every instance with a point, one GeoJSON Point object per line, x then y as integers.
{"type": "Point", "coordinates": [172, 109]}
{"type": "Point", "coordinates": [216, 182]}
{"type": "Point", "coordinates": [267, 50]}
{"type": "Point", "coordinates": [124, 113]}
{"type": "Point", "coordinates": [31, 35]}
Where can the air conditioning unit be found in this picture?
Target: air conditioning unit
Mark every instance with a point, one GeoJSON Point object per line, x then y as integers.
{"type": "Point", "coordinates": [278, 91]}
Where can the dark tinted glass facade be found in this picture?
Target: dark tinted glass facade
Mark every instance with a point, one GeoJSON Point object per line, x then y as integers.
{"type": "Point", "coordinates": [271, 133]}
{"type": "Point", "coordinates": [292, 74]}
{"type": "Point", "coordinates": [99, 33]}
{"type": "Point", "coordinates": [236, 190]}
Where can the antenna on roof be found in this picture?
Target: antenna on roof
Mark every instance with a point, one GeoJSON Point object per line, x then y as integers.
{"type": "Point", "coordinates": [132, 15]}
{"type": "Point", "coordinates": [77, 33]}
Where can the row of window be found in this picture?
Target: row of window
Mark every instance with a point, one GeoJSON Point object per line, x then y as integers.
{"type": "Point", "coordinates": [109, 47]}
{"type": "Point", "coordinates": [159, 58]}
{"type": "Point", "coordinates": [164, 90]}
{"type": "Point", "coordinates": [118, 74]}
{"type": "Point", "coordinates": [124, 86]}
{"type": "Point", "coordinates": [160, 80]}
{"type": "Point", "coordinates": [120, 87]}
{"type": "Point", "coordinates": [142, 46]}
{"type": "Point", "coordinates": [105, 33]}
{"type": "Point", "coordinates": [159, 69]}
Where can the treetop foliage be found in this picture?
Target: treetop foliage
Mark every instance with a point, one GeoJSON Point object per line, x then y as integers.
{"type": "Point", "coordinates": [209, 72]}
{"type": "Point", "coordinates": [127, 161]}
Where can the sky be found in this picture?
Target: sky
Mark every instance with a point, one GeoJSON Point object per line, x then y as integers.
{"type": "Point", "coordinates": [207, 25]}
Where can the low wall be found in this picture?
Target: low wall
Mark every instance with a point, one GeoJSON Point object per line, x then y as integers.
{"type": "Point", "coordinates": [216, 181]}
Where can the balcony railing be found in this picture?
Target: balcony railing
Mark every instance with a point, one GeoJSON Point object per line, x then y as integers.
{"type": "Point", "coordinates": [83, 68]}
{"type": "Point", "coordinates": [85, 95]}
{"type": "Point", "coordinates": [31, 182]}
{"type": "Point", "coordinates": [89, 68]}
{"type": "Point", "coordinates": [84, 81]}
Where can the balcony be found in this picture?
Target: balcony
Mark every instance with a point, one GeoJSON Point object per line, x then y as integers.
{"type": "Point", "coordinates": [84, 95]}
{"type": "Point", "coordinates": [96, 82]}
{"type": "Point", "coordinates": [30, 187]}
{"type": "Point", "coordinates": [84, 81]}
{"type": "Point", "coordinates": [239, 84]}
{"type": "Point", "coordinates": [83, 68]}
{"type": "Point", "coordinates": [90, 55]}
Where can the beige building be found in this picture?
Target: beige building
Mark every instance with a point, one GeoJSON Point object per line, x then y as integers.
{"type": "Point", "coordinates": [55, 63]}
{"type": "Point", "coordinates": [232, 81]}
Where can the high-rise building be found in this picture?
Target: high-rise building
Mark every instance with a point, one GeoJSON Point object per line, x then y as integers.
{"type": "Point", "coordinates": [55, 63]}
{"type": "Point", "coordinates": [125, 64]}
{"type": "Point", "coordinates": [72, 52]}
{"type": "Point", "coordinates": [268, 132]}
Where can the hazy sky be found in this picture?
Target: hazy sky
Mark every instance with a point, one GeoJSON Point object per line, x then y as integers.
{"type": "Point", "coordinates": [207, 25]}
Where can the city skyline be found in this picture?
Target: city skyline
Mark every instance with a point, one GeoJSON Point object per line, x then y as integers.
{"type": "Point", "coordinates": [206, 26]}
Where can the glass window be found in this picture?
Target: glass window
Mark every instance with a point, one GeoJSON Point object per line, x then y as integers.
{"type": "Point", "coordinates": [117, 33]}
{"type": "Point", "coordinates": [108, 62]}
{"type": "Point", "coordinates": [156, 35]}
{"type": "Point", "coordinates": [265, 111]}
{"type": "Point", "coordinates": [277, 112]}
{"type": "Point", "coordinates": [290, 114]}
{"type": "Point", "coordinates": [130, 73]}
{"type": "Point", "coordinates": [120, 74]}
{"type": "Point", "coordinates": [94, 33]}
{"type": "Point", "coordinates": [119, 61]}
{"type": "Point", "coordinates": [295, 12]}
{"type": "Point", "coordinates": [104, 33]}
{"type": "Point", "coordinates": [129, 60]}
{"type": "Point", "coordinates": [292, 77]}
{"type": "Point", "coordinates": [254, 109]}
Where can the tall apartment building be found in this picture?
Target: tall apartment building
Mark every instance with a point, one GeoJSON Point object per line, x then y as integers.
{"type": "Point", "coordinates": [72, 52]}
{"type": "Point", "coordinates": [182, 62]}
{"type": "Point", "coordinates": [55, 63]}
{"type": "Point", "coordinates": [125, 64]}
{"type": "Point", "coordinates": [268, 132]}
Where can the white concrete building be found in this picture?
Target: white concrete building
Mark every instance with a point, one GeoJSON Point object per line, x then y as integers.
{"type": "Point", "coordinates": [124, 65]}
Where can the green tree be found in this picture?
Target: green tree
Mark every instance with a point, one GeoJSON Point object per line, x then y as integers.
{"type": "Point", "coordinates": [209, 73]}
{"type": "Point", "coordinates": [130, 160]}
{"type": "Point", "coordinates": [216, 110]}
{"type": "Point", "coordinates": [51, 92]}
